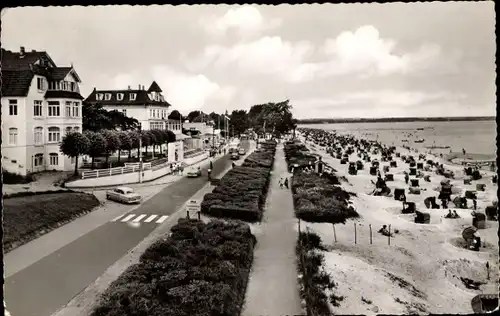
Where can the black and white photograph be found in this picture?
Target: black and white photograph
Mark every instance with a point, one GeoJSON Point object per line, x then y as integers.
{"type": "Point", "coordinates": [249, 159]}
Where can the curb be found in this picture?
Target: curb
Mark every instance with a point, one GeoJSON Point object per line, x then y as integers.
{"type": "Point", "coordinates": [84, 302]}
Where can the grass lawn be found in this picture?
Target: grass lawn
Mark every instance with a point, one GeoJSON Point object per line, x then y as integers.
{"type": "Point", "coordinates": [24, 218]}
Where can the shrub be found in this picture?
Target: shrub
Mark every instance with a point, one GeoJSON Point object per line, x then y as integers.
{"type": "Point", "coordinates": [201, 269]}
{"type": "Point", "coordinates": [241, 192]}
{"type": "Point", "coordinates": [315, 281]}
{"type": "Point", "coordinates": [15, 178]}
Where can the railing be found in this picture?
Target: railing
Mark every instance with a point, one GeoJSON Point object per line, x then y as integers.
{"type": "Point", "coordinates": [115, 171]}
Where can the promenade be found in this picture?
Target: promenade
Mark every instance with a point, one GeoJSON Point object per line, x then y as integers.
{"type": "Point", "coordinates": [273, 287]}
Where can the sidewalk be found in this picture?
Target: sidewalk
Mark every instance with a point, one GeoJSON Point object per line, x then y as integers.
{"type": "Point", "coordinates": [273, 287]}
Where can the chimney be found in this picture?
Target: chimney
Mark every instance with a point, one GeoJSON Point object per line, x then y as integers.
{"type": "Point", "coordinates": [22, 50]}
{"type": "Point", "coordinates": [139, 87]}
{"type": "Point", "coordinates": [129, 87]}
{"type": "Point", "coordinates": [33, 51]}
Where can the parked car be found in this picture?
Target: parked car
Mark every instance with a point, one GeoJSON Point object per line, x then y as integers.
{"type": "Point", "coordinates": [194, 172]}
{"type": "Point", "coordinates": [242, 151]}
{"type": "Point", "coordinates": [235, 156]}
{"type": "Point", "coordinates": [123, 195]}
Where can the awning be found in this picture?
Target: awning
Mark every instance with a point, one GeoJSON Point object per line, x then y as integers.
{"type": "Point", "coordinates": [181, 136]}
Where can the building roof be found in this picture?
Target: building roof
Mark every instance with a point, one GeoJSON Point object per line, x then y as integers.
{"type": "Point", "coordinates": [155, 88]}
{"type": "Point", "coordinates": [141, 98]}
{"type": "Point", "coordinates": [18, 70]}
{"type": "Point", "coordinates": [63, 94]}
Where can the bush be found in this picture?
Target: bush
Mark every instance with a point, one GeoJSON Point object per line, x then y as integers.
{"type": "Point", "coordinates": [241, 192]}
{"type": "Point", "coordinates": [315, 281]}
{"type": "Point", "coordinates": [29, 214]}
{"type": "Point", "coordinates": [201, 269]}
{"type": "Point", "coordinates": [15, 178]}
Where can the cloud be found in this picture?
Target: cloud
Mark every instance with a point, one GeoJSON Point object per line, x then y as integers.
{"type": "Point", "coordinates": [245, 20]}
{"type": "Point", "coordinates": [388, 103]}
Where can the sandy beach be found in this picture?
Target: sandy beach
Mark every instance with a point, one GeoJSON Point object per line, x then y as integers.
{"type": "Point", "coordinates": [421, 270]}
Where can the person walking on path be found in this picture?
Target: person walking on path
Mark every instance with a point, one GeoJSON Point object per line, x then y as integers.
{"type": "Point", "coordinates": [281, 183]}
{"type": "Point", "coordinates": [286, 183]}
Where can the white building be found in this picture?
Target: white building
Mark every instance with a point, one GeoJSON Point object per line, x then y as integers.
{"type": "Point", "coordinates": [148, 107]}
{"type": "Point", "coordinates": [40, 104]}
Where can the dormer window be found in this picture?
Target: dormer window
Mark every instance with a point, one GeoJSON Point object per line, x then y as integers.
{"type": "Point", "coordinates": [108, 96]}
{"type": "Point", "coordinates": [132, 96]}
{"type": "Point", "coordinates": [119, 96]}
{"type": "Point", "coordinates": [100, 97]}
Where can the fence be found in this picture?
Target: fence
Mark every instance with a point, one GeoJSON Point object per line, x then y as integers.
{"type": "Point", "coordinates": [129, 168]}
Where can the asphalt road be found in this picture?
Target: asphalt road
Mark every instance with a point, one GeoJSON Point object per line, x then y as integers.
{"type": "Point", "coordinates": [45, 286]}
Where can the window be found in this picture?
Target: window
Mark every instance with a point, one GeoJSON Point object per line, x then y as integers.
{"type": "Point", "coordinates": [99, 97]}
{"type": "Point", "coordinates": [76, 112]}
{"type": "Point", "coordinates": [68, 109]}
{"type": "Point", "coordinates": [40, 83]}
{"type": "Point", "coordinates": [73, 86]}
{"type": "Point", "coordinates": [124, 111]}
{"type": "Point", "coordinates": [13, 107]}
{"type": "Point", "coordinates": [68, 130]}
{"type": "Point", "coordinates": [54, 159]}
{"type": "Point", "coordinates": [119, 96]}
{"type": "Point", "coordinates": [54, 109]}
{"type": "Point", "coordinates": [132, 96]}
{"type": "Point", "coordinates": [54, 134]}
{"type": "Point", "coordinates": [38, 135]}
{"type": "Point", "coordinates": [37, 108]}
{"type": "Point", "coordinates": [108, 96]}
{"type": "Point", "coordinates": [13, 136]}
{"type": "Point", "coordinates": [38, 161]}
{"type": "Point", "coordinates": [76, 129]}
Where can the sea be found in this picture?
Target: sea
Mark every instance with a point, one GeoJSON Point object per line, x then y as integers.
{"type": "Point", "coordinates": [476, 137]}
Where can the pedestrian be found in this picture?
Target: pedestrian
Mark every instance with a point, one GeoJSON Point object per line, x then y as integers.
{"type": "Point", "coordinates": [209, 174]}
{"type": "Point", "coordinates": [181, 170]}
{"type": "Point", "coordinates": [233, 164]}
{"type": "Point", "coordinates": [286, 183]}
{"type": "Point", "coordinates": [474, 203]}
{"type": "Point", "coordinates": [211, 164]}
{"type": "Point", "coordinates": [281, 183]}
{"type": "Point", "coordinates": [407, 178]}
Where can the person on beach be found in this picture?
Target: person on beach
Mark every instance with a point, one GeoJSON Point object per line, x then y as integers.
{"type": "Point", "coordinates": [474, 203]}
{"type": "Point", "coordinates": [463, 151]}
{"type": "Point", "coordinates": [407, 177]}
{"type": "Point", "coordinates": [455, 215]}
{"type": "Point", "coordinates": [233, 164]}
{"type": "Point", "coordinates": [449, 215]}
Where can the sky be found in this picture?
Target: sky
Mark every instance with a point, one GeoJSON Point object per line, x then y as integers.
{"type": "Point", "coordinates": [329, 60]}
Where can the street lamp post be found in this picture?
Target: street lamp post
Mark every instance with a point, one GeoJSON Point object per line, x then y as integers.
{"type": "Point", "coordinates": [140, 155]}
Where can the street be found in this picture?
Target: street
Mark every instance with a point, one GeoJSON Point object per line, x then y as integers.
{"type": "Point", "coordinates": [43, 287]}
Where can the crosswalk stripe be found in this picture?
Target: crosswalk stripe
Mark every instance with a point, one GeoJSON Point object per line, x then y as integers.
{"type": "Point", "coordinates": [117, 218]}
{"type": "Point", "coordinates": [138, 218]}
{"type": "Point", "coordinates": [149, 219]}
{"type": "Point", "coordinates": [161, 219]}
{"type": "Point", "coordinates": [128, 218]}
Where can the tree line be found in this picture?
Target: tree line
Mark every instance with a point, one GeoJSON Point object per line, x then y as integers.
{"type": "Point", "coordinates": [105, 132]}
{"type": "Point", "coordinates": [395, 119]}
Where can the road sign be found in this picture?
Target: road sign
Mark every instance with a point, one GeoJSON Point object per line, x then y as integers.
{"type": "Point", "coordinates": [193, 206]}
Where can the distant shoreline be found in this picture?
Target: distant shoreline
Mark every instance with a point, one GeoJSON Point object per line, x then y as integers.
{"type": "Point", "coordinates": [395, 119]}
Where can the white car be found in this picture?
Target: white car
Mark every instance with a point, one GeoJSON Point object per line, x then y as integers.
{"type": "Point", "coordinates": [123, 195]}
{"type": "Point", "coordinates": [194, 172]}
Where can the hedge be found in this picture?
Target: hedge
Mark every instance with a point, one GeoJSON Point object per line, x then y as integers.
{"type": "Point", "coordinates": [200, 269]}
{"type": "Point", "coordinates": [317, 198]}
{"type": "Point", "coordinates": [241, 193]}
{"type": "Point", "coordinates": [31, 193]}
{"type": "Point", "coordinates": [314, 281]}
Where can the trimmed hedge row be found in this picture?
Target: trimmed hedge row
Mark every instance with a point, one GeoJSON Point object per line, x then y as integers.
{"type": "Point", "coordinates": [31, 193]}
{"type": "Point", "coordinates": [297, 153]}
{"type": "Point", "coordinates": [315, 281]}
{"type": "Point", "coordinates": [200, 269]}
{"type": "Point", "coordinates": [317, 198]}
{"type": "Point", "coordinates": [242, 191]}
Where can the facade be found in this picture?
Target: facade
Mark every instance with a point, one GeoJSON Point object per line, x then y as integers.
{"type": "Point", "coordinates": [208, 136]}
{"type": "Point", "coordinates": [149, 107]}
{"type": "Point", "coordinates": [41, 103]}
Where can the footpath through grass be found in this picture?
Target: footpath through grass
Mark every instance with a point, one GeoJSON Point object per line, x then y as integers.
{"type": "Point", "coordinates": [27, 217]}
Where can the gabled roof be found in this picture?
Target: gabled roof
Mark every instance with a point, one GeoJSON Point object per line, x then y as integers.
{"type": "Point", "coordinates": [141, 98]}
{"type": "Point", "coordinates": [154, 88]}
{"type": "Point", "coordinates": [18, 71]}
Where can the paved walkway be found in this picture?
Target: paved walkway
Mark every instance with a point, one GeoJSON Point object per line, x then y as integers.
{"type": "Point", "coordinates": [273, 287]}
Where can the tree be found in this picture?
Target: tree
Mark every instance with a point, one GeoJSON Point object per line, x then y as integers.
{"type": "Point", "coordinates": [135, 136]}
{"type": "Point", "coordinates": [74, 145]}
{"type": "Point", "coordinates": [159, 138]}
{"type": "Point", "coordinates": [239, 121]}
{"type": "Point", "coordinates": [192, 115]}
{"type": "Point", "coordinates": [97, 145]}
{"type": "Point", "coordinates": [147, 139]}
{"type": "Point", "coordinates": [126, 142]}
{"type": "Point", "coordinates": [175, 115]}
{"type": "Point", "coordinates": [96, 118]}
{"type": "Point", "coordinates": [112, 142]}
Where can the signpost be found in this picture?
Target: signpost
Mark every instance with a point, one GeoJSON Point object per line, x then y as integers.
{"type": "Point", "coordinates": [193, 206]}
